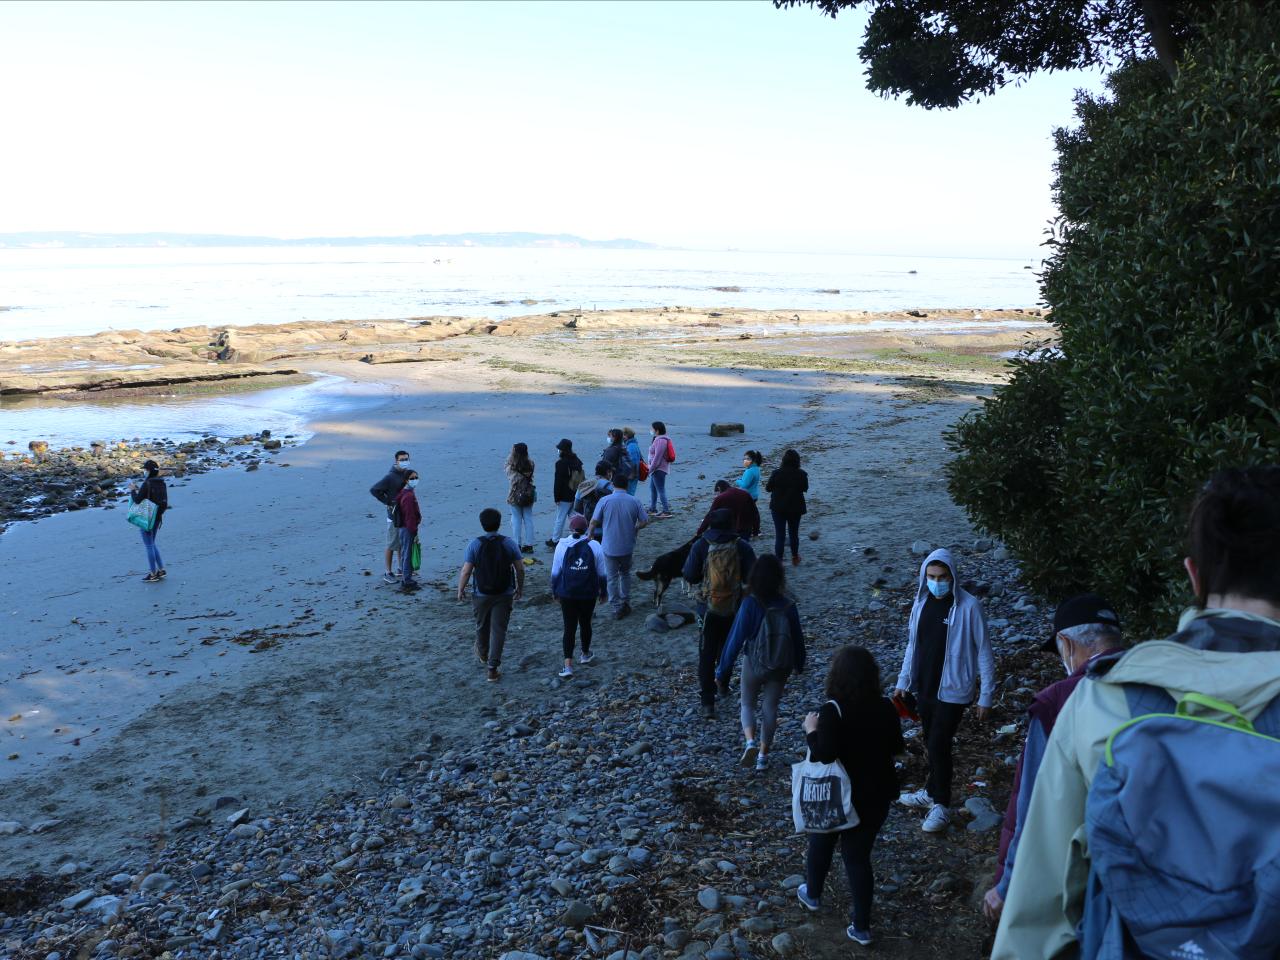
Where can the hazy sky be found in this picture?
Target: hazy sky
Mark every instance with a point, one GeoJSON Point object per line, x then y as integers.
{"type": "Point", "coordinates": [706, 124]}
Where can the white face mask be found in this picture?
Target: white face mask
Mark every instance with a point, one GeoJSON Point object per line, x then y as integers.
{"type": "Point", "coordinates": [403, 464]}
{"type": "Point", "coordinates": [412, 483]}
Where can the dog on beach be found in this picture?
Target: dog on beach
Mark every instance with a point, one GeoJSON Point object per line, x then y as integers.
{"type": "Point", "coordinates": [666, 568]}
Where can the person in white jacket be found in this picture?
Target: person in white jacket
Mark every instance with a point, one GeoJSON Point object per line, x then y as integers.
{"type": "Point", "coordinates": [948, 653]}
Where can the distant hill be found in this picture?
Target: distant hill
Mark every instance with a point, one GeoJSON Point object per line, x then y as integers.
{"type": "Point", "coordinates": [82, 240]}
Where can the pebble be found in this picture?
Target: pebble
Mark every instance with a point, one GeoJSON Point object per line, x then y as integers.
{"type": "Point", "coordinates": [784, 944]}
{"type": "Point", "coordinates": [709, 898]}
{"type": "Point", "coordinates": [921, 548]}
{"type": "Point", "coordinates": [156, 883]}
{"type": "Point", "coordinates": [985, 817]}
{"type": "Point", "coordinates": [9, 827]}
{"type": "Point", "coordinates": [78, 900]}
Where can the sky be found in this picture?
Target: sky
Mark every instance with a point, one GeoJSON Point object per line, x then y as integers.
{"type": "Point", "coordinates": [722, 124]}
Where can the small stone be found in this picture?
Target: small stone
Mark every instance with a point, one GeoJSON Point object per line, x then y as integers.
{"type": "Point", "coordinates": [921, 548]}
{"type": "Point", "coordinates": [1000, 553]}
{"type": "Point", "coordinates": [709, 898]}
{"type": "Point", "coordinates": [656, 623]}
{"type": "Point", "coordinates": [638, 748]}
{"type": "Point", "coordinates": [982, 545]}
{"type": "Point", "coordinates": [727, 429]}
{"type": "Point", "coordinates": [499, 858]}
{"type": "Point", "coordinates": [793, 881]}
{"type": "Point", "coordinates": [561, 886]}
{"type": "Point", "coordinates": [676, 939]}
{"type": "Point", "coordinates": [374, 842]}
{"type": "Point", "coordinates": [244, 831]}
{"type": "Point", "coordinates": [758, 925]}
{"type": "Point", "coordinates": [157, 883]}
{"type": "Point", "coordinates": [68, 868]}
{"type": "Point", "coordinates": [576, 914]}
{"type": "Point", "coordinates": [43, 826]}
{"type": "Point", "coordinates": [238, 817]}
{"type": "Point", "coordinates": [946, 883]}
{"type": "Point", "coordinates": [78, 900]}
{"type": "Point", "coordinates": [9, 827]}
{"type": "Point", "coordinates": [401, 802]}
{"type": "Point", "coordinates": [784, 944]}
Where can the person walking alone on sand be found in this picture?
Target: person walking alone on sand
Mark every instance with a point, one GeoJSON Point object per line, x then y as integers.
{"type": "Point", "coordinates": [859, 727]}
{"type": "Point", "coordinates": [522, 496]}
{"type": "Point", "coordinates": [578, 579]}
{"type": "Point", "coordinates": [787, 486]}
{"type": "Point", "coordinates": [662, 453]}
{"type": "Point", "coordinates": [152, 488]}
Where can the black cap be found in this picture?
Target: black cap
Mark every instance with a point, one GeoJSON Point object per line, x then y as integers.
{"type": "Point", "coordinates": [565, 444]}
{"type": "Point", "coordinates": [1076, 612]}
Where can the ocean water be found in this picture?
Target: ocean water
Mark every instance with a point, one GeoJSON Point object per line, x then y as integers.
{"type": "Point", "coordinates": [59, 292]}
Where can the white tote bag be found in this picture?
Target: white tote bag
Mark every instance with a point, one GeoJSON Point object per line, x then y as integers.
{"type": "Point", "coordinates": [821, 795]}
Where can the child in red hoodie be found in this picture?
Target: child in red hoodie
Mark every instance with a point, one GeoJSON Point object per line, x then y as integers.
{"type": "Point", "coordinates": [407, 519]}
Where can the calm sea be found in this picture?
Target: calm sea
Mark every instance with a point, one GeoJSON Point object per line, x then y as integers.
{"type": "Point", "coordinates": [57, 292]}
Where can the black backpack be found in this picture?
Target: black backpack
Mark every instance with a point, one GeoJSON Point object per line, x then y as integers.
{"type": "Point", "coordinates": [771, 651]}
{"type": "Point", "coordinates": [493, 567]}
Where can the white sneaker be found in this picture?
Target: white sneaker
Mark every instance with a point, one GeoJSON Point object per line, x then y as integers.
{"type": "Point", "coordinates": [567, 672]}
{"type": "Point", "coordinates": [937, 820]}
{"type": "Point", "coordinates": [586, 658]}
{"type": "Point", "coordinates": [917, 800]}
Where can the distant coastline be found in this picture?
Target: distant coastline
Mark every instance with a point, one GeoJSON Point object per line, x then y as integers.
{"type": "Point", "coordinates": [72, 239]}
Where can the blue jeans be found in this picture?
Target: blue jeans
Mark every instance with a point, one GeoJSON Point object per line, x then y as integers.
{"type": "Point", "coordinates": [632, 485]}
{"type": "Point", "coordinates": [785, 528]}
{"type": "Point", "coordinates": [406, 554]}
{"type": "Point", "coordinates": [562, 514]}
{"type": "Point", "coordinates": [522, 526]}
{"type": "Point", "coordinates": [153, 554]}
{"type": "Point", "coordinates": [619, 570]}
{"type": "Point", "coordinates": [658, 488]}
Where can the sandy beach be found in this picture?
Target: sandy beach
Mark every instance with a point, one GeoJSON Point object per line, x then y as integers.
{"type": "Point", "coordinates": [274, 665]}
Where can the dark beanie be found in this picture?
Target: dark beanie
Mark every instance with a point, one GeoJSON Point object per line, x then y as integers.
{"type": "Point", "coordinates": [565, 445]}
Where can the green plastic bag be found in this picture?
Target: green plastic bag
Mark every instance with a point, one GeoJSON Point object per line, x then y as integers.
{"type": "Point", "coordinates": [415, 555]}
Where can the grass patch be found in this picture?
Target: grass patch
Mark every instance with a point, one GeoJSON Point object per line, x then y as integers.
{"type": "Point", "coordinates": [945, 358]}
{"type": "Point", "coordinates": [781, 361]}
{"type": "Point", "coordinates": [521, 366]}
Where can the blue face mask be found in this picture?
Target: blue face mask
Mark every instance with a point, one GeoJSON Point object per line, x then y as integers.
{"type": "Point", "coordinates": [412, 483]}
{"type": "Point", "coordinates": [939, 588]}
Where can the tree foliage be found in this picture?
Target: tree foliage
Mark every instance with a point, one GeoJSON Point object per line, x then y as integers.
{"type": "Point", "coordinates": [942, 53]}
{"type": "Point", "coordinates": [1164, 283]}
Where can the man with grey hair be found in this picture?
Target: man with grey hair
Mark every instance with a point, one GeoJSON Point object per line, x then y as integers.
{"type": "Point", "coordinates": [1085, 629]}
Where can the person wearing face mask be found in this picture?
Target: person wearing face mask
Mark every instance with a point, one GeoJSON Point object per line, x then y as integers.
{"type": "Point", "coordinates": [408, 517]}
{"type": "Point", "coordinates": [385, 492]}
{"type": "Point", "coordinates": [152, 488]}
{"type": "Point", "coordinates": [615, 455]}
{"type": "Point", "coordinates": [1208, 888]}
{"type": "Point", "coordinates": [948, 651]}
{"type": "Point", "coordinates": [1085, 629]}
{"type": "Point", "coordinates": [662, 454]}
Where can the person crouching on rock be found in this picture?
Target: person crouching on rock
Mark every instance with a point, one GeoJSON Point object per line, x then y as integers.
{"type": "Point", "coordinates": [408, 517]}
{"type": "Point", "coordinates": [859, 727]}
{"type": "Point", "coordinates": [152, 488]}
{"type": "Point", "coordinates": [768, 628]}
{"type": "Point", "coordinates": [947, 651]}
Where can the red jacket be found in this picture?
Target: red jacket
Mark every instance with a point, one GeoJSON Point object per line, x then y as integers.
{"type": "Point", "coordinates": [410, 515]}
{"type": "Point", "coordinates": [746, 515]}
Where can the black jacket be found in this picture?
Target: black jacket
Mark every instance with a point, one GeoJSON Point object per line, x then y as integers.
{"type": "Point", "coordinates": [153, 489]}
{"type": "Point", "coordinates": [615, 454]}
{"type": "Point", "coordinates": [864, 740]}
{"type": "Point", "coordinates": [386, 489]}
{"type": "Point", "coordinates": [787, 487]}
{"type": "Point", "coordinates": [568, 462]}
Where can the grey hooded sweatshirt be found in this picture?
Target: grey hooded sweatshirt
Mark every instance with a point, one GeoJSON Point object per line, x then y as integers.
{"type": "Point", "coordinates": [969, 654]}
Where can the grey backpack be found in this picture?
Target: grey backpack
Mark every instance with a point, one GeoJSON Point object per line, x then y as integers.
{"type": "Point", "coordinates": [1183, 822]}
{"type": "Point", "coordinates": [771, 651]}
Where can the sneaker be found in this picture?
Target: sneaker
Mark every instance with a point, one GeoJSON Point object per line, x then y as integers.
{"type": "Point", "coordinates": [802, 894]}
{"type": "Point", "coordinates": [937, 820]}
{"type": "Point", "coordinates": [551, 543]}
{"type": "Point", "coordinates": [917, 800]}
{"type": "Point", "coordinates": [161, 574]}
{"type": "Point", "coordinates": [665, 515]}
{"type": "Point", "coordinates": [625, 611]}
{"type": "Point", "coordinates": [858, 936]}
{"type": "Point", "coordinates": [795, 559]}
{"type": "Point", "coordinates": [527, 548]}
{"type": "Point", "coordinates": [586, 658]}
{"type": "Point", "coordinates": [749, 753]}
{"type": "Point", "coordinates": [150, 578]}
{"type": "Point", "coordinates": [390, 578]}
{"type": "Point", "coordinates": [708, 711]}
{"type": "Point", "coordinates": [566, 672]}
{"type": "Point", "coordinates": [762, 762]}
{"type": "Point", "coordinates": [493, 675]}
{"type": "Point", "coordinates": [619, 614]}
{"type": "Point", "coordinates": [409, 587]}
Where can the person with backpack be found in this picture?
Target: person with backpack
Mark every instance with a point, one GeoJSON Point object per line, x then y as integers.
{"type": "Point", "coordinates": [1152, 827]}
{"type": "Point", "coordinates": [786, 487]}
{"type": "Point", "coordinates": [495, 563]}
{"type": "Point", "coordinates": [718, 564]}
{"type": "Point", "coordinates": [859, 727]}
{"type": "Point", "coordinates": [750, 479]}
{"type": "Point", "coordinates": [638, 465]}
{"type": "Point", "coordinates": [590, 491]}
{"type": "Point", "coordinates": [619, 517]}
{"type": "Point", "coordinates": [662, 453]}
{"type": "Point", "coordinates": [522, 496]}
{"type": "Point", "coordinates": [579, 577]}
{"type": "Point", "coordinates": [569, 475]}
{"type": "Point", "coordinates": [615, 454]}
{"type": "Point", "coordinates": [1085, 629]}
{"type": "Point", "coordinates": [768, 629]}
{"type": "Point", "coordinates": [948, 650]}
{"type": "Point", "coordinates": [407, 518]}
{"type": "Point", "coordinates": [152, 488]}
{"type": "Point", "coordinates": [385, 491]}
{"type": "Point", "coordinates": [746, 515]}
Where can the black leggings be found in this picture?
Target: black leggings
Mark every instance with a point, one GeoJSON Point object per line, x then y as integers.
{"type": "Point", "coordinates": [577, 616]}
{"type": "Point", "coordinates": [855, 849]}
{"type": "Point", "coordinates": [788, 528]}
{"type": "Point", "coordinates": [940, 721]}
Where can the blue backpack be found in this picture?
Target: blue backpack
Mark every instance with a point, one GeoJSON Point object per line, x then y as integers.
{"type": "Point", "coordinates": [1183, 822]}
{"type": "Point", "coordinates": [577, 578]}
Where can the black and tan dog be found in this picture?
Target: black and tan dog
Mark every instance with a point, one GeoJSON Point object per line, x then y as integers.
{"type": "Point", "coordinates": [666, 568]}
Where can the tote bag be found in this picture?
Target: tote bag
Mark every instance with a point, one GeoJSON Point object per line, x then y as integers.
{"type": "Point", "coordinates": [821, 795]}
{"type": "Point", "coordinates": [142, 515]}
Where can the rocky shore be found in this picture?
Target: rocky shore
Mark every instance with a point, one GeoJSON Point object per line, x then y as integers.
{"type": "Point", "coordinates": [595, 821]}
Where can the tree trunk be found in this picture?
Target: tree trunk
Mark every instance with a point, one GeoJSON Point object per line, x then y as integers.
{"type": "Point", "coordinates": [1155, 13]}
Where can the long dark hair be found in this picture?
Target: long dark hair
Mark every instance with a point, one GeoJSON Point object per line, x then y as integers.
{"type": "Point", "coordinates": [755, 456]}
{"type": "Point", "coordinates": [767, 578]}
{"type": "Point", "coordinates": [791, 459]}
{"type": "Point", "coordinates": [853, 679]}
{"type": "Point", "coordinates": [151, 467]}
{"type": "Point", "coordinates": [659, 428]}
{"type": "Point", "coordinates": [1234, 529]}
{"type": "Point", "coordinates": [519, 460]}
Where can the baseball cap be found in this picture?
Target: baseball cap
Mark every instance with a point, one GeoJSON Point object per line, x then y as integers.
{"type": "Point", "coordinates": [1076, 612]}
{"type": "Point", "coordinates": [578, 523]}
